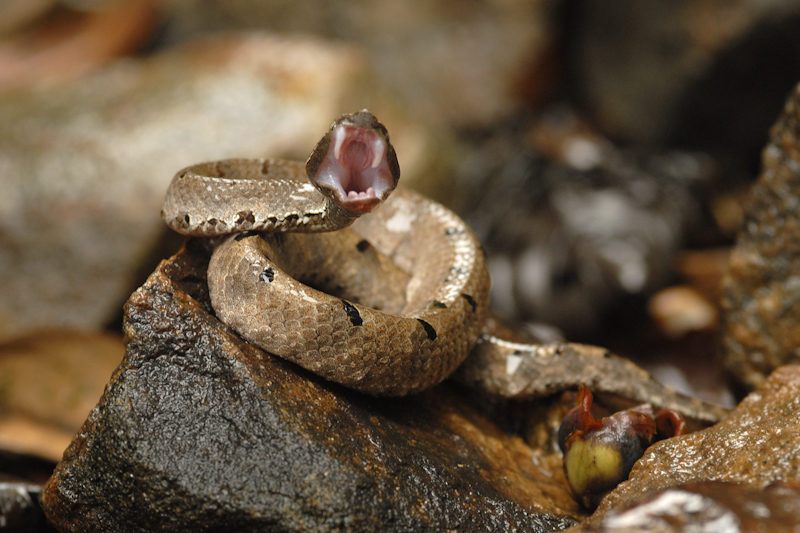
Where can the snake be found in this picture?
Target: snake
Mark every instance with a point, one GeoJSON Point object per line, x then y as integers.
{"type": "Point", "coordinates": [287, 276]}
{"type": "Point", "coordinates": [331, 265]}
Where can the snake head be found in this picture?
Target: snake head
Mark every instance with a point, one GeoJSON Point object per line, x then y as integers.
{"type": "Point", "coordinates": [354, 164]}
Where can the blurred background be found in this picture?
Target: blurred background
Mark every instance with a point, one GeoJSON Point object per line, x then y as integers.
{"type": "Point", "coordinates": [602, 150]}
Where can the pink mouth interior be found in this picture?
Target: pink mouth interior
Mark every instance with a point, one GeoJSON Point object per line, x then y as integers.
{"type": "Point", "coordinates": [355, 170]}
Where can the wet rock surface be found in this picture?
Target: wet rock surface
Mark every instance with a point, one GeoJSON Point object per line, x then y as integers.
{"type": "Point", "coordinates": [201, 431]}
{"type": "Point", "coordinates": [757, 446]}
{"type": "Point", "coordinates": [761, 300]}
{"type": "Point", "coordinates": [707, 506]}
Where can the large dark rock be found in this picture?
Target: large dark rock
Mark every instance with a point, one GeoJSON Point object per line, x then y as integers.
{"type": "Point", "coordinates": [200, 431]}
{"type": "Point", "coordinates": [761, 300]}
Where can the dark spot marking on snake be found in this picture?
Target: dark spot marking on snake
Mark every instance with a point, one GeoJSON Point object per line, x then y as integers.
{"type": "Point", "coordinates": [428, 330]}
{"type": "Point", "coordinates": [471, 301]}
{"type": "Point", "coordinates": [440, 305]}
{"type": "Point", "coordinates": [352, 313]}
{"type": "Point", "coordinates": [244, 235]}
{"type": "Point", "coordinates": [292, 217]}
{"type": "Point", "coordinates": [363, 245]}
{"type": "Point", "coordinates": [516, 352]}
{"type": "Point", "coordinates": [212, 221]}
{"type": "Point", "coordinates": [245, 216]}
{"type": "Point", "coordinates": [265, 167]}
{"type": "Point", "coordinates": [268, 274]}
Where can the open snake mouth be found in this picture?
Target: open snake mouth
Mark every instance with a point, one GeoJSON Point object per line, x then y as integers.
{"type": "Point", "coordinates": [356, 171]}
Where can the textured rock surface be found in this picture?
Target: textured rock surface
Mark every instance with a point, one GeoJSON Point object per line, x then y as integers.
{"type": "Point", "coordinates": [201, 431]}
{"type": "Point", "coordinates": [759, 444]}
{"type": "Point", "coordinates": [761, 299]}
{"type": "Point", "coordinates": [708, 506]}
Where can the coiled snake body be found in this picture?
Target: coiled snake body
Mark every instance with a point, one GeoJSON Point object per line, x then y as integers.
{"type": "Point", "coordinates": [389, 306]}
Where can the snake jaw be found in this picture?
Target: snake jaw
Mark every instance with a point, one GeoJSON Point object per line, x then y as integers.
{"type": "Point", "coordinates": [354, 164]}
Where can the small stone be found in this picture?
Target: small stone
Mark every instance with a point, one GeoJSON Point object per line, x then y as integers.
{"type": "Point", "coordinates": [680, 310]}
{"type": "Point", "coordinates": [200, 431]}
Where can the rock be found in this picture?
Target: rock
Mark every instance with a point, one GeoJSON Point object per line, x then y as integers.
{"type": "Point", "coordinates": [679, 310]}
{"type": "Point", "coordinates": [707, 506]}
{"type": "Point", "coordinates": [199, 430]}
{"type": "Point", "coordinates": [755, 447]}
{"type": "Point", "coordinates": [85, 166]}
{"type": "Point", "coordinates": [761, 292]}
{"type": "Point", "coordinates": [49, 383]}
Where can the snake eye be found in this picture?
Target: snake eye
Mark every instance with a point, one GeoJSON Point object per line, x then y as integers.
{"type": "Point", "coordinates": [358, 167]}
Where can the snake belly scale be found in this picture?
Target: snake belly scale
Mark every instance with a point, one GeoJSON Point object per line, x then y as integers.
{"type": "Point", "coordinates": [389, 306]}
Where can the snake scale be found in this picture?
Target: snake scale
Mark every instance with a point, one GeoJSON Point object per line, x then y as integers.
{"type": "Point", "coordinates": [387, 301]}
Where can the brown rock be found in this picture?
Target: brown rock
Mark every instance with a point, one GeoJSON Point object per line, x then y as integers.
{"type": "Point", "coordinates": [761, 292]}
{"type": "Point", "coordinates": [758, 445]}
{"type": "Point", "coordinates": [199, 430]}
